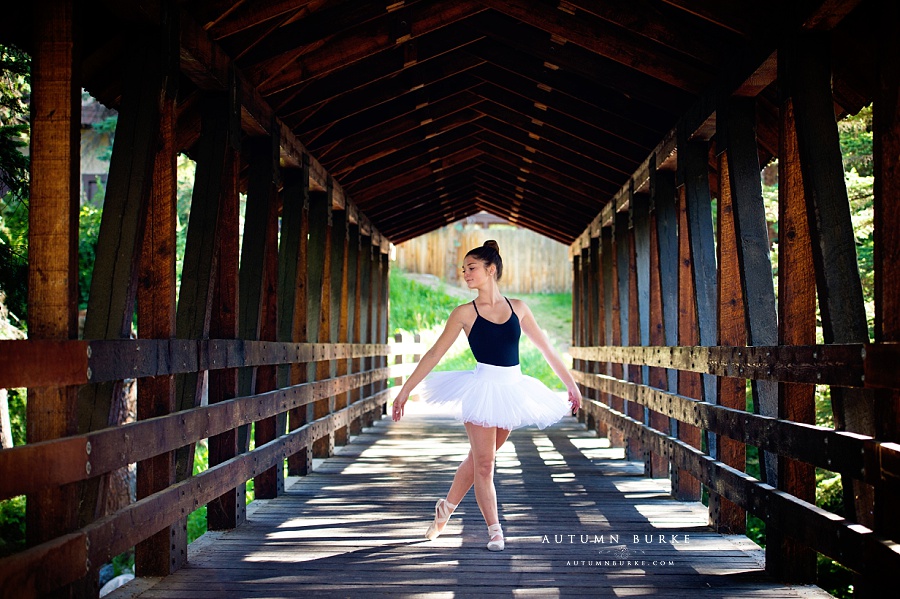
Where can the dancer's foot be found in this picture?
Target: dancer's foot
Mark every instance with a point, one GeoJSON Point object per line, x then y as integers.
{"type": "Point", "coordinates": [442, 511]}
{"type": "Point", "coordinates": [496, 533]}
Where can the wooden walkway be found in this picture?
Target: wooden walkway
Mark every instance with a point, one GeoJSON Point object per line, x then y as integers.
{"type": "Point", "coordinates": [580, 521]}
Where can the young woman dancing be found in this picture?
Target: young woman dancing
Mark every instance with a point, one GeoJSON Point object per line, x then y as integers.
{"type": "Point", "coordinates": [496, 397]}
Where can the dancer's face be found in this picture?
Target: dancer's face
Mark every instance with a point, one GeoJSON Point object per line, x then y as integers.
{"type": "Point", "coordinates": [476, 273]}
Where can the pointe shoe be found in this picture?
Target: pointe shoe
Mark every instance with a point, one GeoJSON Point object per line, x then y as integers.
{"type": "Point", "coordinates": [442, 511]}
{"type": "Point", "coordinates": [495, 544]}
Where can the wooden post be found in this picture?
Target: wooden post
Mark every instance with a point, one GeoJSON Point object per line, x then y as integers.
{"type": "Point", "coordinates": [617, 238]}
{"type": "Point", "coordinates": [110, 310]}
{"type": "Point", "coordinates": [581, 305]}
{"type": "Point", "coordinates": [385, 293]}
{"type": "Point", "coordinates": [597, 297]}
{"type": "Point", "coordinates": [693, 158]}
{"type": "Point", "coordinates": [229, 509]}
{"type": "Point", "coordinates": [372, 328]}
{"type": "Point", "coordinates": [341, 308]}
{"type": "Point", "coordinates": [796, 326]}
{"type": "Point", "coordinates": [631, 324]}
{"type": "Point", "coordinates": [755, 265]}
{"type": "Point", "coordinates": [365, 321]}
{"type": "Point", "coordinates": [159, 555]}
{"type": "Point", "coordinates": [661, 183]}
{"type": "Point", "coordinates": [665, 204]}
{"type": "Point", "coordinates": [264, 179]}
{"type": "Point", "coordinates": [886, 125]}
{"type": "Point", "coordinates": [214, 155]}
{"type": "Point", "coordinates": [354, 293]}
{"type": "Point", "coordinates": [295, 222]}
{"type": "Point", "coordinates": [685, 487]}
{"type": "Point", "coordinates": [640, 219]}
{"type": "Point", "coordinates": [320, 302]}
{"type": "Point", "coordinates": [725, 516]}
{"type": "Point", "coordinates": [609, 293]}
{"type": "Point", "coordinates": [53, 241]}
{"type": "Point", "coordinates": [807, 79]}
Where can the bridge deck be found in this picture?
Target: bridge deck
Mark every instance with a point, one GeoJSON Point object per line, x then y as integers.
{"type": "Point", "coordinates": [578, 518]}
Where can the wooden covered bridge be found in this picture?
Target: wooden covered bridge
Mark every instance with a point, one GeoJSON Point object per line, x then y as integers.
{"type": "Point", "coordinates": [611, 127]}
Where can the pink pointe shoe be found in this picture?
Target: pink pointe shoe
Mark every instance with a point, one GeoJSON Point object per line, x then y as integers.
{"type": "Point", "coordinates": [496, 533]}
{"type": "Point", "coordinates": [442, 511]}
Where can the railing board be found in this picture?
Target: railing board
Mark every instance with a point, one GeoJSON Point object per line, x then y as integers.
{"type": "Point", "coordinates": [117, 532]}
{"type": "Point", "coordinates": [843, 365]}
{"type": "Point", "coordinates": [858, 456]}
{"type": "Point", "coordinates": [39, 465]}
{"type": "Point", "coordinates": [40, 363]}
{"type": "Point", "coordinates": [853, 545]}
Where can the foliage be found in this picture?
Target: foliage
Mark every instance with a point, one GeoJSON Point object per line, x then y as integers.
{"type": "Point", "coordinates": [414, 307]}
{"type": "Point", "coordinates": [88, 232]}
{"type": "Point", "coordinates": [12, 525]}
{"type": "Point", "coordinates": [15, 87]}
{"type": "Point", "coordinates": [856, 142]}
{"type": "Point", "coordinates": [17, 399]}
{"type": "Point", "coordinates": [106, 127]}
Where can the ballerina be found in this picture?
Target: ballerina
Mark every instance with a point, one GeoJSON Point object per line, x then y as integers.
{"type": "Point", "coordinates": [496, 397]}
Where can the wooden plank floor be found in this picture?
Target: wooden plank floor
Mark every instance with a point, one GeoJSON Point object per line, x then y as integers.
{"type": "Point", "coordinates": [580, 521]}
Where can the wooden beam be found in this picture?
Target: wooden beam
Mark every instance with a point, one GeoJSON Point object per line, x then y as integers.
{"type": "Point", "coordinates": [886, 132]}
{"type": "Point", "coordinates": [684, 486]}
{"type": "Point", "coordinates": [609, 42]}
{"type": "Point", "coordinates": [209, 67]}
{"type": "Point", "coordinates": [737, 120]}
{"type": "Point", "coordinates": [264, 165]}
{"type": "Point", "coordinates": [228, 510]}
{"type": "Point", "coordinates": [53, 241]}
{"type": "Point", "coordinates": [796, 326]}
{"type": "Point", "coordinates": [286, 66]}
{"type": "Point", "coordinates": [198, 274]}
{"type": "Point", "coordinates": [659, 465]}
{"type": "Point", "coordinates": [162, 553]}
{"type": "Point", "coordinates": [841, 307]}
{"type": "Point", "coordinates": [320, 262]}
{"type": "Point", "coordinates": [732, 392]}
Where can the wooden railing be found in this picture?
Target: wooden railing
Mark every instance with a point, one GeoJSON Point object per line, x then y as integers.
{"type": "Point", "coordinates": [30, 468]}
{"type": "Point", "coordinates": [856, 456]}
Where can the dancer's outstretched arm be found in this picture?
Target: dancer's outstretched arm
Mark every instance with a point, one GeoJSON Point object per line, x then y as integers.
{"type": "Point", "coordinates": [431, 358]}
{"type": "Point", "coordinates": [539, 338]}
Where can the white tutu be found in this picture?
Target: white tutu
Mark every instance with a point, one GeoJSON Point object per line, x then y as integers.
{"type": "Point", "coordinates": [498, 396]}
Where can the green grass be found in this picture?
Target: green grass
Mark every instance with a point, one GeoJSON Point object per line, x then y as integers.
{"type": "Point", "coordinates": [415, 307]}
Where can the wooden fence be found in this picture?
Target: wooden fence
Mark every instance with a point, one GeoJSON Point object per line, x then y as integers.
{"type": "Point", "coordinates": [532, 263]}
{"type": "Point", "coordinates": [675, 317]}
{"type": "Point", "coordinates": [356, 399]}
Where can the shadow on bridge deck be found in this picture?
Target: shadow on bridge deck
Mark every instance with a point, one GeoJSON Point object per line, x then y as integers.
{"type": "Point", "coordinates": [579, 521]}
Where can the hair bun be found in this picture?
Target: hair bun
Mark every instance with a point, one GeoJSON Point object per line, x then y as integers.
{"type": "Point", "coordinates": [490, 243]}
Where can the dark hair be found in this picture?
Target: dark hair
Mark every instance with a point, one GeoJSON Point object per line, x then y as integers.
{"type": "Point", "coordinates": [489, 253]}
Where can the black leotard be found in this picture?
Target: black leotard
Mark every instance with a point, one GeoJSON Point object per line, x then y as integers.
{"type": "Point", "coordinates": [495, 344]}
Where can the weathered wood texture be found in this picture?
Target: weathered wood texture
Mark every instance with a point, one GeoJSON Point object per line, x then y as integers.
{"type": "Point", "coordinates": [842, 311]}
{"type": "Point", "coordinates": [886, 125]}
{"type": "Point", "coordinates": [796, 326]}
{"type": "Point", "coordinates": [53, 255]}
{"type": "Point", "coordinates": [731, 331]}
{"type": "Point", "coordinates": [539, 265]}
{"type": "Point", "coordinates": [307, 542]}
{"type": "Point", "coordinates": [83, 457]}
{"type": "Point", "coordinates": [160, 554]}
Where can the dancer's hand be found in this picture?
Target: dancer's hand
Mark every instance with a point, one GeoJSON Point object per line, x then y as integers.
{"type": "Point", "coordinates": [399, 404]}
{"type": "Point", "coordinates": [574, 399]}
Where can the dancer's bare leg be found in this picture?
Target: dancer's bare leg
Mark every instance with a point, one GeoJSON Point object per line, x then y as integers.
{"type": "Point", "coordinates": [484, 448]}
{"type": "Point", "coordinates": [465, 475]}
